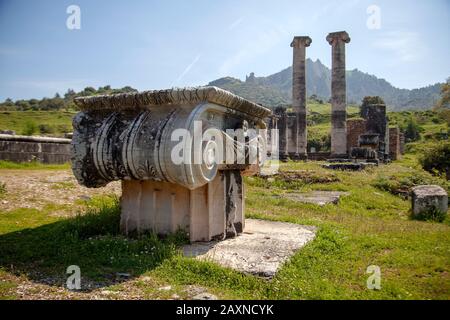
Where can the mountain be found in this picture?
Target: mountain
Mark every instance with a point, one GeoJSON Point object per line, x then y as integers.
{"type": "Point", "coordinates": [276, 89]}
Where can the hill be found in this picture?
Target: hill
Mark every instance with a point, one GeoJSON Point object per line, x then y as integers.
{"type": "Point", "coordinates": [276, 89]}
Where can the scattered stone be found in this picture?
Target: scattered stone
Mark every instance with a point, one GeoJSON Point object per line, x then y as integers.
{"type": "Point", "coordinates": [344, 166]}
{"type": "Point", "coordinates": [122, 275]}
{"type": "Point", "coordinates": [427, 197]}
{"type": "Point", "coordinates": [204, 296]}
{"type": "Point", "coordinates": [260, 250]}
{"type": "Point", "coordinates": [166, 288]}
{"type": "Point", "coordinates": [320, 198]}
{"type": "Point", "coordinates": [353, 166]}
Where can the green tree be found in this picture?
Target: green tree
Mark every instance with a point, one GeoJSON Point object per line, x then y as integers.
{"type": "Point", "coordinates": [412, 130]}
{"type": "Point", "coordinates": [437, 159]}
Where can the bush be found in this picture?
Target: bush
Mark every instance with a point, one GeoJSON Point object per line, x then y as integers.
{"type": "Point", "coordinates": [46, 129]}
{"type": "Point", "coordinates": [437, 159]}
{"type": "Point", "coordinates": [412, 130]}
{"type": "Point", "coordinates": [30, 128]}
{"type": "Point", "coordinates": [401, 183]}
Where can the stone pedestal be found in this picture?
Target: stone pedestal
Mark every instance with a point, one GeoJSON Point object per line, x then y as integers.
{"type": "Point", "coordinates": [214, 211]}
{"type": "Point", "coordinates": [299, 45]}
{"type": "Point", "coordinates": [428, 197]}
{"type": "Point", "coordinates": [337, 40]}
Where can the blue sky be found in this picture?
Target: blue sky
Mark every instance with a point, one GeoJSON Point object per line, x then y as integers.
{"type": "Point", "coordinates": [157, 44]}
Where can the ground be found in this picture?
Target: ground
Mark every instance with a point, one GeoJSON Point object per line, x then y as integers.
{"type": "Point", "coordinates": [48, 222]}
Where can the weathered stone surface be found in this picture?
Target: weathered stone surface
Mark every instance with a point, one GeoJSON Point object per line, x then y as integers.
{"type": "Point", "coordinates": [260, 250]}
{"type": "Point", "coordinates": [427, 197]}
{"type": "Point", "coordinates": [130, 137]}
{"type": "Point", "coordinates": [299, 45]}
{"type": "Point", "coordinates": [337, 40]}
{"type": "Point", "coordinates": [363, 153]}
{"type": "Point", "coordinates": [394, 143]}
{"type": "Point", "coordinates": [283, 135]}
{"type": "Point", "coordinates": [18, 148]}
{"type": "Point", "coordinates": [377, 124]}
{"type": "Point", "coordinates": [355, 127]}
{"type": "Point", "coordinates": [320, 198]}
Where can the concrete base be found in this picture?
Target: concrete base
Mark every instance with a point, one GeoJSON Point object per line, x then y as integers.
{"type": "Point", "coordinates": [212, 212]}
{"type": "Point", "coordinates": [260, 250]}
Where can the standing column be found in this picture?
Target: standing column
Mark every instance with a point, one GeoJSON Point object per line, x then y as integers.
{"type": "Point", "coordinates": [299, 94]}
{"type": "Point", "coordinates": [337, 40]}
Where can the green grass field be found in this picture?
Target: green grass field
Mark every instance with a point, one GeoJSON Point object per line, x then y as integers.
{"type": "Point", "coordinates": [371, 226]}
{"type": "Point", "coordinates": [56, 122]}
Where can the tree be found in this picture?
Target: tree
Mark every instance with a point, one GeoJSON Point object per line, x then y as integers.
{"type": "Point", "coordinates": [412, 130]}
{"type": "Point", "coordinates": [444, 101]}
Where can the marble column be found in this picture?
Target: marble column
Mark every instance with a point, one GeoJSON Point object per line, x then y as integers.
{"type": "Point", "coordinates": [337, 40]}
{"type": "Point", "coordinates": [299, 45]}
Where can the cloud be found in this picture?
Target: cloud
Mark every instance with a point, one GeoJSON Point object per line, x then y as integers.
{"type": "Point", "coordinates": [235, 23]}
{"type": "Point", "coordinates": [187, 69]}
{"type": "Point", "coordinates": [405, 45]}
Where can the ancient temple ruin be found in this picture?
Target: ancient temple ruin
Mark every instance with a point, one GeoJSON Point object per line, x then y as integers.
{"type": "Point", "coordinates": [180, 154]}
{"type": "Point", "coordinates": [366, 138]}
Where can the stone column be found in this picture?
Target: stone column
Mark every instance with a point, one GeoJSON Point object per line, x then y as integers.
{"type": "Point", "coordinates": [337, 40]}
{"type": "Point", "coordinates": [299, 94]}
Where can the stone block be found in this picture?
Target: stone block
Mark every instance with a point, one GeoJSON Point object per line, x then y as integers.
{"type": "Point", "coordinates": [427, 197]}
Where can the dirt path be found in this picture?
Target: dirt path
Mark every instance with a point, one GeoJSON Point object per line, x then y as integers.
{"type": "Point", "coordinates": [39, 188]}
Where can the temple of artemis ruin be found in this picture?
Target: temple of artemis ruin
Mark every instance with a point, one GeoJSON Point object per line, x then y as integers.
{"type": "Point", "coordinates": [366, 138]}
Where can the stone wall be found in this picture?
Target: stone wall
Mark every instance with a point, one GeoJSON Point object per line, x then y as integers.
{"type": "Point", "coordinates": [355, 128]}
{"type": "Point", "coordinates": [43, 149]}
{"type": "Point", "coordinates": [394, 143]}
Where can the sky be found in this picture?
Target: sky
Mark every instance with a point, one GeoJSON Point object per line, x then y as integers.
{"type": "Point", "coordinates": [158, 44]}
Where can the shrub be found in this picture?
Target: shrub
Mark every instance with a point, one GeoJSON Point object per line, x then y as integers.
{"type": "Point", "coordinates": [401, 183]}
{"type": "Point", "coordinates": [46, 129]}
{"type": "Point", "coordinates": [437, 159]}
{"type": "Point", "coordinates": [412, 130]}
{"type": "Point", "coordinates": [30, 128]}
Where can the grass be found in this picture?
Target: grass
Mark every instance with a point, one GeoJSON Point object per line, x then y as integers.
{"type": "Point", "coordinates": [34, 243]}
{"type": "Point", "coordinates": [371, 226]}
{"type": "Point", "coordinates": [59, 122]}
{"type": "Point", "coordinates": [32, 165]}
